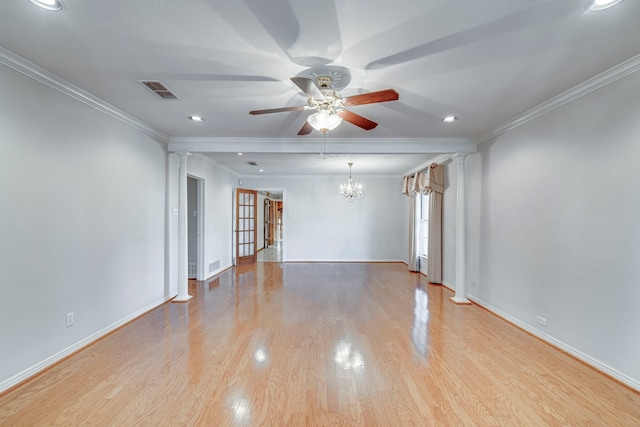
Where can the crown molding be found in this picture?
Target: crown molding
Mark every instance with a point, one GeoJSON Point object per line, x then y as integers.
{"type": "Point", "coordinates": [442, 158]}
{"type": "Point", "coordinates": [612, 75]}
{"type": "Point", "coordinates": [38, 73]}
{"type": "Point", "coordinates": [331, 146]}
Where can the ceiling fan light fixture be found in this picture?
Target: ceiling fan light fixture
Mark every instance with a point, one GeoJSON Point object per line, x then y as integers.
{"type": "Point", "coordinates": [54, 5]}
{"type": "Point", "coordinates": [324, 121]}
{"type": "Point", "coordinates": [596, 5]}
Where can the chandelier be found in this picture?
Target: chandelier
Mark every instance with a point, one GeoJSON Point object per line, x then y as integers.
{"type": "Point", "coordinates": [351, 189]}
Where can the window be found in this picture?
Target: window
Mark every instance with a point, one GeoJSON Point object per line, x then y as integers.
{"type": "Point", "coordinates": [424, 225]}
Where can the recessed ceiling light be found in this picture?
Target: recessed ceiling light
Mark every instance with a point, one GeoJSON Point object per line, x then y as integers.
{"type": "Point", "coordinates": [49, 4]}
{"type": "Point", "coordinates": [196, 118]}
{"type": "Point", "coordinates": [450, 119]}
{"type": "Point", "coordinates": [596, 5]}
{"type": "Point", "coordinates": [240, 154]}
{"type": "Point", "coordinates": [260, 170]}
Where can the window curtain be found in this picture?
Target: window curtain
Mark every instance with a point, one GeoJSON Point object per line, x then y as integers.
{"type": "Point", "coordinates": [408, 189]}
{"type": "Point", "coordinates": [431, 182]}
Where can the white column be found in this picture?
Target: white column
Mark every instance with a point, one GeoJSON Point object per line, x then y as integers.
{"type": "Point", "coordinates": [461, 235]}
{"type": "Point", "coordinates": [183, 244]}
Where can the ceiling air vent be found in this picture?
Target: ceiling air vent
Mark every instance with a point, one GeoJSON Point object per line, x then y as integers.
{"type": "Point", "coordinates": [159, 89]}
{"type": "Point", "coordinates": [253, 163]}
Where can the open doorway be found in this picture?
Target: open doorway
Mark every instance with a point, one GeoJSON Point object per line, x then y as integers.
{"type": "Point", "coordinates": [195, 228]}
{"type": "Point", "coordinates": [271, 218]}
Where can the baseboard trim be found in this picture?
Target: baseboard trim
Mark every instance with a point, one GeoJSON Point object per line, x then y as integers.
{"type": "Point", "coordinates": [49, 362]}
{"type": "Point", "coordinates": [588, 360]}
{"type": "Point", "coordinates": [218, 271]}
{"type": "Point", "coordinates": [451, 287]}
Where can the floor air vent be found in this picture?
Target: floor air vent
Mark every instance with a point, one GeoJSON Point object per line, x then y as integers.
{"type": "Point", "coordinates": [159, 89]}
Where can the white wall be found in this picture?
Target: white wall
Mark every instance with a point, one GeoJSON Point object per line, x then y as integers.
{"type": "Point", "coordinates": [320, 226]}
{"type": "Point", "coordinates": [554, 226]}
{"type": "Point", "coordinates": [82, 227]}
{"type": "Point", "coordinates": [218, 183]}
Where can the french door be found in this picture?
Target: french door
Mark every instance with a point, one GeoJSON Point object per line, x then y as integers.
{"type": "Point", "coordinates": [246, 235]}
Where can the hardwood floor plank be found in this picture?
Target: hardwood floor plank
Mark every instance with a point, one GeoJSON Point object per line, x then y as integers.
{"type": "Point", "coordinates": [276, 344]}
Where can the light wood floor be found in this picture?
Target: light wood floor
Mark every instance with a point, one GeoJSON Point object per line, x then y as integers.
{"type": "Point", "coordinates": [320, 344]}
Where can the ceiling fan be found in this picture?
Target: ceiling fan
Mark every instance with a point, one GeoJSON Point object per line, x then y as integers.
{"type": "Point", "coordinates": [330, 106]}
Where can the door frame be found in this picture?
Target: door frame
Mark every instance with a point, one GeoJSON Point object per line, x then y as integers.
{"type": "Point", "coordinates": [200, 226]}
{"type": "Point", "coordinates": [284, 215]}
{"type": "Point", "coordinates": [236, 243]}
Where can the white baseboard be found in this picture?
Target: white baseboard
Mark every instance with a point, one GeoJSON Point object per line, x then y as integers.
{"type": "Point", "coordinates": [450, 287]}
{"type": "Point", "coordinates": [218, 271]}
{"type": "Point", "coordinates": [625, 379]}
{"type": "Point", "coordinates": [39, 367]}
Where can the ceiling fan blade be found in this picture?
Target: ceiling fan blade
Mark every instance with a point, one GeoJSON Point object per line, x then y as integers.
{"type": "Point", "coordinates": [306, 129]}
{"type": "Point", "coordinates": [308, 87]}
{"type": "Point", "coordinates": [372, 97]}
{"type": "Point", "coordinates": [357, 120]}
{"type": "Point", "coordinates": [279, 110]}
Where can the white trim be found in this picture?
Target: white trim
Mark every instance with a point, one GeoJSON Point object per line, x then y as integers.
{"type": "Point", "coordinates": [39, 367]}
{"type": "Point", "coordinates": [332, 146]}
{"type": "Point", "coordinates": [612, 75]}
{"type": "Point", "coordinates": [38, 73]}
{"type": "Point", "coordinates": [440, 159]}
{"type": "Point", "coordinates": [218, 271]}
{"type": "Point", "coordinates": [595, 363]}
{"type": "Point", "coordinates": [449, 286]}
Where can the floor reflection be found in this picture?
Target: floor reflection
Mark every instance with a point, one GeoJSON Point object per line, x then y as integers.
{"type": "Point", "coordinates": [420, 332]}
{"type": "Point", "coordinates": [271, 254]}
{"type": "Point", "coordinates": [347, 357]}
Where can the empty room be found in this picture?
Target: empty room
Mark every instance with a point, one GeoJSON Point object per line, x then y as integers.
{"type": "Point", "coordinates": [290, 213]}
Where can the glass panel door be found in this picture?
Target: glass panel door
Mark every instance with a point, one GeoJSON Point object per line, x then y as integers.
{"type": "Point", "coordinates": [246, 226]}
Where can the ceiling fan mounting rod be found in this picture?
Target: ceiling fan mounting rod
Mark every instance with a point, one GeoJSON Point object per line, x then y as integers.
{"type": "Point", "coordinates": [324, 82]}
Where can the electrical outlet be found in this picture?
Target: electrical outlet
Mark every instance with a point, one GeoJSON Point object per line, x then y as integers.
{"type": "Point", "coordinates": [69, 319]}
{"type": "Point", "coordinates": [542, 321]}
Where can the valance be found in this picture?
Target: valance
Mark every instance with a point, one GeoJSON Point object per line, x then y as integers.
{"type": "Point", "coordinates": [430, 180]}
{"type": "Point", "coordinates": [425, 182]}
{"type": "Point", "coordinates": [408, 186]}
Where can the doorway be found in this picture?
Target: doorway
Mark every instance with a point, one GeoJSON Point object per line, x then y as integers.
{"type": "Point", "coordinates": [272, 229]}
{"type": "Point", "coordinates": [195, 227]}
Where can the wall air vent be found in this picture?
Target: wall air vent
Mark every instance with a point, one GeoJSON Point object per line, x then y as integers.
{"type": "Point", "coordinates": [159, 89]}
{"type": "Point", "coordinates": [253, 163]}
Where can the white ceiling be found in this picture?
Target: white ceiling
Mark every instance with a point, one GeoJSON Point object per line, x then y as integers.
{"type": "Point", "coordinates": [483, 61]}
